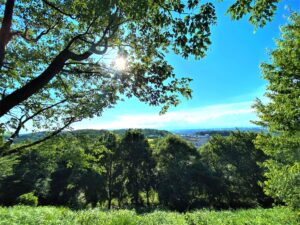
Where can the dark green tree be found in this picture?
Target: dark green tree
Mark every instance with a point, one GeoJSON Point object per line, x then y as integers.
{"type": "Point", "coordinates": [65, 170]}
{"type": "Point", "coordinates": [7, 162]}
{"type": "Point", "coordinates": [32, 173]}
{"type": "Point", "coordinates": [235, 161]}
{"type": "Point", "coordinates": [112, 162]}
{"type": "Point", "coordinates": [281, 116]}
{"type": "Point", "coordinates": [138, 165]}
{"type": "Point", "coordinates": [78, 179]}
{"type": "Point", "coordinates": [182, 179]}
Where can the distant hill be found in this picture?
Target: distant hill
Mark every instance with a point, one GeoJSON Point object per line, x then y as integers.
{"type": "Point", "coordinates": [149, 133]}
{"type": "Point", "coordinates": [220, 131]}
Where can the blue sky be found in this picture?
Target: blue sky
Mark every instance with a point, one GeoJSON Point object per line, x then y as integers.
{"type": "Point", "coordinates": [225, 83]}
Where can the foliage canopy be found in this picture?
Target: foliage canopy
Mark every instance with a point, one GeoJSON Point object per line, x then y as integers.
{"type": "Point", "coordinates": [54, 55]}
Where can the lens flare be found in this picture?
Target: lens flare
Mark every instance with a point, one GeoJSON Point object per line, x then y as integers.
{"type": "Point", "coordinates": [120, 63]}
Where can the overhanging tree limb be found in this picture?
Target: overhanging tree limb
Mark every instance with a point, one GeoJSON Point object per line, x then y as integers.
{"type": "Point", "coordinates": [56, 66]}
{"type": "Point", "coordinates": [54, 133]}
{"type": "Point", "coordinates": [36, 84]}
{"type": "Point", "coordinates": [22, 122]}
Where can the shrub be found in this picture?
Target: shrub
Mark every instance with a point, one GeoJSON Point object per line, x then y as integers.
{"type": "Point", "coordinates": [28, 199]}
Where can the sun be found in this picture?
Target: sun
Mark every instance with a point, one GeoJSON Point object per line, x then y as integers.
{"type": "Point", "coordinates": [120, 63]}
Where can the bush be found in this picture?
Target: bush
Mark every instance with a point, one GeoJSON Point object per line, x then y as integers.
{"type": "Point", "coordinates": [28, 199]}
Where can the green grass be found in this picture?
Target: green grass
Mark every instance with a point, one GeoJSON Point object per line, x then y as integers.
{"type": "Point", "coordinates": [64, 216]}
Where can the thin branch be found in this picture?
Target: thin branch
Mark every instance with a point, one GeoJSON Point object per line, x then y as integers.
{"type": "Point", "coordinates": [80, 63]}
{"type": "Point", "coordinates": [86, 41]}
{"type": "Point", "coordinates": [65, 86]}
{"type": "Point", "coordinates": [80, 36]}
{"type": "Point", "coordinates": [54, 133]}
{"type": "Point", "coordinates": [21, 123]}
{"type": "Point", "coordinates": [11, 114]}
{"type": "Point", "coordinates": [100, 52]}
{"type": "Point", "coordinates": [93, 48]}
{"type": "Point", "coordinates": [37, 38]}
{"type": "Point", "coordinates": [59, 10]}
{"type": "Point", "coordinates": [81, 71]}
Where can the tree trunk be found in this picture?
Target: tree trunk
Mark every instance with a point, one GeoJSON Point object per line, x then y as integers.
{"type": "Point", "coordinates": [5, 32]}
{"type": "Point", "coordinates": [147, 196]}
{"type": "Point", "coordinates": [109, 184]}
{"type": "Point", "coordinates": [119, 202]}
{"type": "Point", "coordinates": [109, 203]}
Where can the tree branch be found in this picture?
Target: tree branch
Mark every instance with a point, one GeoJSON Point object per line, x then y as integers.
{"type": "Point", "coordinates": [21, 123]}
{"type": "Point", "coordinates": [35, 85]}
{"type": "Point", "coordinates": [58, 9]}
{"type": "Point", "coordinates": [55, 67]}
{"type": "Point", "coordinates": [37, 38]}
{"type": "Point", "coordinates": [81, 71]}
{"type": "Point", "coordinates": [54, 133]}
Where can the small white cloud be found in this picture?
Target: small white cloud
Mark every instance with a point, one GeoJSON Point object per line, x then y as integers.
{"type": "Point", "coordinates": [222, 115]}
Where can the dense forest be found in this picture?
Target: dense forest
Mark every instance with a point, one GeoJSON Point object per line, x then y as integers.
{"type": "Point", "coordinates": [113, 171]}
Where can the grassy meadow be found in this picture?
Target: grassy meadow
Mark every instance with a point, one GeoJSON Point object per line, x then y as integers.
{"type": "Point", "coordinates": [59, 215]}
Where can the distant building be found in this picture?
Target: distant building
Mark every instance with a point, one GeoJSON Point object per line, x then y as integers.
{"type": "Point", "coordinates": [197, 140]}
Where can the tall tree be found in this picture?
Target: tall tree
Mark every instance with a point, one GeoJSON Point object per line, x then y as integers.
{"type": "Point", "coordinates": [32, 173]}
{"type": "Point", "coordinates": [138, 165]}
{"type": "Point", "coordinates": [281, 116]}
{"type": "Point", "coordinates": [111, 161]}
{"type": "Point", "coordinates": [78, 179]}
{"type": "Point", "coordinates": [235, 161]}
{"type": "Point", "coordinates": [182, 178]}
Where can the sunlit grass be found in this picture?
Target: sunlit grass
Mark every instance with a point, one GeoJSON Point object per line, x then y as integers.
{"type": "Point", "coordinates": [59, 215]}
